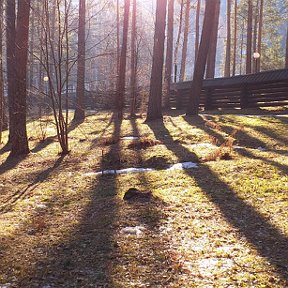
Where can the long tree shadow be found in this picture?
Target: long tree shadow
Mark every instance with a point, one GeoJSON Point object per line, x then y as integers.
{"type": "Point", "coordinates": [244, 139]}
{"type": "Point", "coordinates": [86, 257]}
{"type": "Point", "coordinates": [266, 238]}
{"type": "Point", "coordinates": [11, 201]}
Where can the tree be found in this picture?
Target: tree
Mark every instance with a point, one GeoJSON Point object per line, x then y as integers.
{"type": "Point", "coordinates": [249, 38]}
{"type": "Point", "coordinates": [10, 61]}
{"type": "Point", "coordinates": [211, 62]}
{"type": "Point", "coordinates": [235, 39]}
{"type": "Point", "coordinates": [122, 66]}
{"type": "Point", "coordinates": [260, 28]}
{"type": "Point", "coordinates": [185, 41]}
{"type": "Point", "coordinates": [286, 54]}
{"type": "Point", "coordinates": [228, 41]}
{"type": "Point", "coordinates": [133, 77]}
{"type": "Point", "coordinates": [154, 104]}
{"type": "Point", "coordinates": [178, 40]}
{"type": "Point", "coordinates": [19, 141]}
{"type": "Point", "coordinates": [169, 54]}
{"type": "Point", "coordinates": [80, 92]}
{"type": "Point", "coordinates": [1, 75]}
{"type": "Point", "coordinates": [199, 69]}
{"type": "Point", "coordinates": [197, 28]}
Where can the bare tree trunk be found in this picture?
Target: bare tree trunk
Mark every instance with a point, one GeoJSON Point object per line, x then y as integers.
{"type": "Point", "coordinates": [286, 54]}
{"type": "Point", "coordinates": [249, 38]}
{"type": "Point", "coordinates": [235, 39]}
{"type": "Point", "coordinates": [211, 61]}
{"type": "Point", "coordinates": [20, 141]}
{"type": "Point", "coordinates": [185, 42]}
{"type": "Point", "coordinates": [228, 41]}
{"type": "Point", "coordinates": [169, 54]}
{"type": "Point", "coordinates": [118, 36]}
{"type": "Point", "coordinates": [133, 78]}
{"type": "Point", "coordinates": [259, 44]}
{"type": "Point", "coordinates": [178, 41]}
{"type": "Point", "coordinates": [10, 40]}
{"type": "Point", "coordinates": [255, 35]}
{"type": "Point", "coordinates": [197, 27]}
{"type": "Point", "coordinates": [122, 68]}
{"type": "Point", "coordinates": [80, 90]}
{"type": "Point", "coordinates": [1, 74]}
{"type": "Point", "coordinates": [241, 48]}
{"type": "Point", "coordinates": [155, 96]}
{"type": "Point", "coordinates": [199, 70]}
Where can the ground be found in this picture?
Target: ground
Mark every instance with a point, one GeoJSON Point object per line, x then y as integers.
{"type": "Point", "coordinates": [222, 224]}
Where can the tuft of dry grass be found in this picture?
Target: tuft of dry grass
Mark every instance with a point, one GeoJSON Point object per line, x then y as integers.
{"type": "Point", "coordinates": [143, 143]}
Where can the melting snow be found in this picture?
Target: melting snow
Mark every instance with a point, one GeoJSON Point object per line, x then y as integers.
{"type": "Point", "coordinates": [137, 230]}
{"type": "Point", "coordinates": [178, 166]}
{"type": "Point", "coordinates": [130, 138]}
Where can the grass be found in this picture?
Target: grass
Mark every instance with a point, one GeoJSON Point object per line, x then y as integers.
{"type": "Point", "coordinates": [223, 224]}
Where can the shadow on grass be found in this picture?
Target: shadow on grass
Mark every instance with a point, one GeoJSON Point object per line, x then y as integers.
{"type": "Point", "coordinates": [92, 255]}
{"type": "Point", "coordinates": [267, 239]}
{"type": "Point", "coordinates": [11, 201]}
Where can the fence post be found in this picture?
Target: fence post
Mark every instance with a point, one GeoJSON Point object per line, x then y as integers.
{"type": "Point", "coordinates": [208, 99]}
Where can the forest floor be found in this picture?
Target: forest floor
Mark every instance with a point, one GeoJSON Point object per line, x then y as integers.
{"type": "Point", "coordinates": [221, 224]}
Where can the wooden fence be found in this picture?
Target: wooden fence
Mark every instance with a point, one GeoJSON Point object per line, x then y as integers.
{"type": "Point", "coordinates": [263, 89]}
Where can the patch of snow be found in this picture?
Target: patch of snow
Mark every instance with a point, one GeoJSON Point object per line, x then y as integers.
{"type": "Point", "coordinates": [137, 230]}
{"type": "Point", "coordinates": [130, 138]}
{"type": "Point", "coordinates": [172, 167]}
{"type": "Point", "coordinates": [261, 148]}
{"type": "Point", "coordinates": [41, 206]}
{"type": "Point", "coordinates": [182, 166]}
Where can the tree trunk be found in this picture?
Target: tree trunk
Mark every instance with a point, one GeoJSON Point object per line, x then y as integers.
{"type": "Point", "coordinates": [10, 62]}
{"type": "Point", "coordinates": [228, 41]}
{"type": "Point", "coordinates": [122, 66]}
{"type": "Point", "coordinates": [235, 39]}
{"type": "Point", "coordinates": [249, 38]}
{"type": "Point", "coordinates": [185, 42]}
{"type": "Point", "coordinates": [154, 104]}
{"type": "Point", "coordinates": [211, 61]}
{"type": "Point", "coordinates": [133, 78]}
{"type": "Point", "coordinates": [286, 55]}
{"type": "Point", "coordinates": [1, 74]}
{"type": "Point", "coordinates": [169, 54]}
{"type": "Point", "coordinates": [80, 90]}
{"type": "Point", "coordinates": [19, 141]}
{"type": "Point", "coordinates": [118, 36]}
{"type": "Point", "coordinates": [199, 70]}
{"type": "Point", "coordinates": [255, 35]}
{"type": "Point", "coordinates": [178, 41]}
{"type": "Point", "coordinates": [259, 44]}
{"type": "Point", "coordinates": [197, 28]}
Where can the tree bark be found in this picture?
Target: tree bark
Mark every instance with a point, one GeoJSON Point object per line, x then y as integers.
{"type": "Point", "coordinates": [154, 104]}
{"type": "Point", "coordinates": [122, 66]}
{"type": "Point", "coordinates": [19, 141]}
{"type": "Point", "coordinates": [235, 39]}
{"type": "Point", "coordinates": [169, 54]}
{"type": "Point", "coordinates": [1, 74]}
{"type": "Point", "coordinates": [211, 62]}
{"type": "Point", "coordinates": [133, 77]}
{"type": "Point", "coordinates": [10, 62]}
{"type": "Point", "coordinates": [249, 38]}
{"type": "Point", "coordinates": [259, 44]}
{"type": "Point", "coordinates": [197, 28]}
{"type": "Point", "coordinates": [80, 90]}
{"type": "Point", "coordinates": [255, 35]}
{"type": "Point", "coordinates": [228, 41]}
{"type": "Point", "coordinates": [185, 42]}
{"type": "Point", "coordinates": [178, 41]}
{"type": "Point", "coordinates": [199, 70]}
